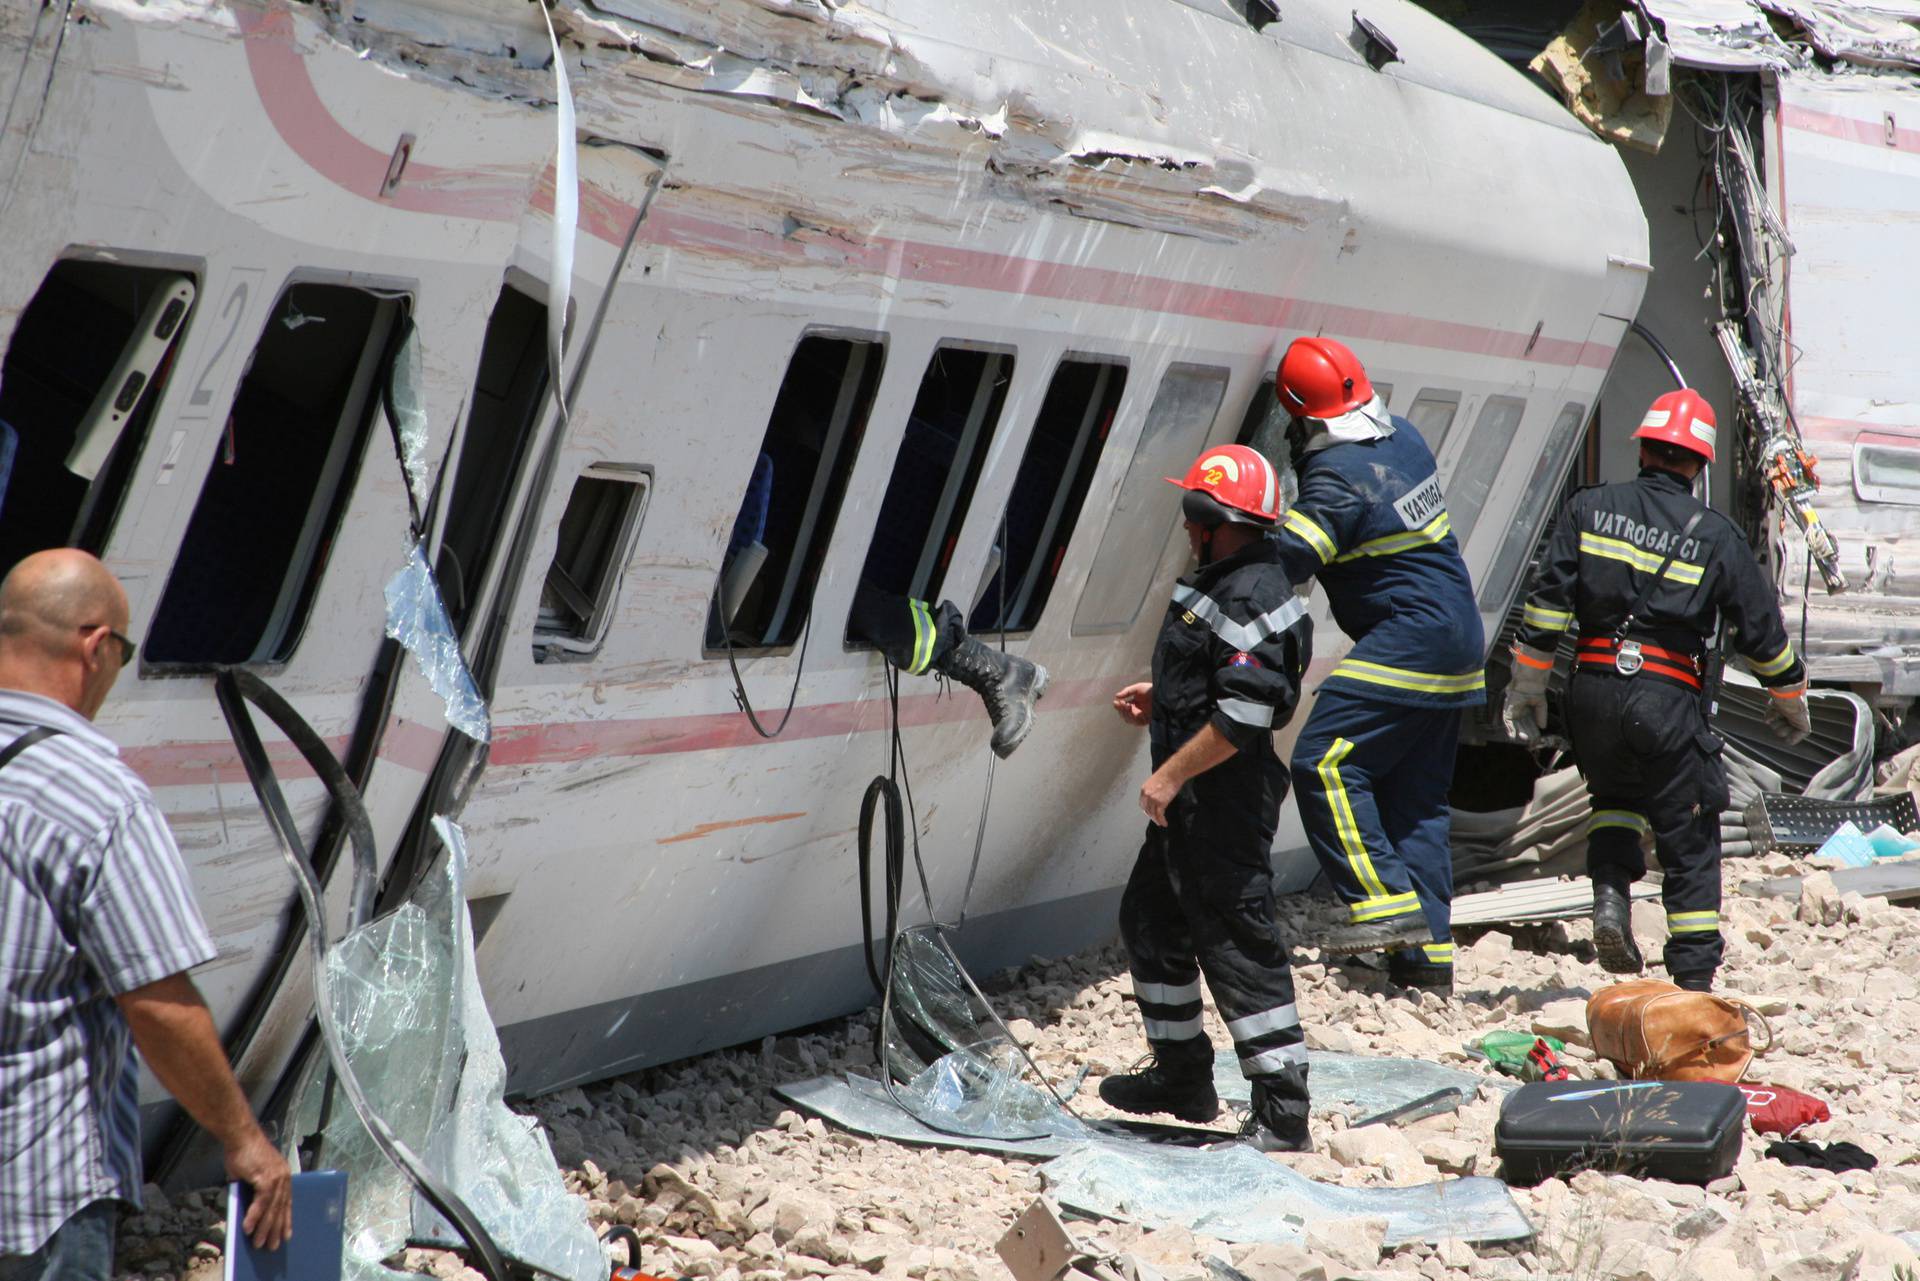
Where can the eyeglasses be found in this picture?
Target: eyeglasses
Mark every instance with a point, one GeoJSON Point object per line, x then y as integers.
{"type": "Point", "coordinates": [127, 647]}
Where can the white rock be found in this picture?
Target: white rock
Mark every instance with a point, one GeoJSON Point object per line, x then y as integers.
{"type": "Point", "coordinates": [1566, 1020]}
{"type": "Point", "coordinates": [1265, 1262]}
{"type": "Point", "coordinates": [1819, 900]}
{"type": "Point", "coordinates": [1353, 1243]}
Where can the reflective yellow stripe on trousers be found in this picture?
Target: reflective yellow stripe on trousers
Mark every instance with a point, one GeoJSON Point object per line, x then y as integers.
{"type": "Point", "coordinates": [1343, 821]}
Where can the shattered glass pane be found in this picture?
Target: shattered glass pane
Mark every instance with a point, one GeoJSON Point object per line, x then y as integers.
{"type": "Point", "coordinates": [417, 618]}
{"type": "Point", "coordinates": [416, 1029]}
{"type": "Point", "coordinates": [1233, 1193]}
{"type": "Point", "coordinates": [956, 1068]}
{"type": "Point", "coordinates": [1364, 1088]}
{"type": "Point", "coordinates": [407, 398]}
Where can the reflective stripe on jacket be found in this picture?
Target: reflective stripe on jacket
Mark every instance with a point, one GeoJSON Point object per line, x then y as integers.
{"type": "Point", "coordinates": [1371, 523]}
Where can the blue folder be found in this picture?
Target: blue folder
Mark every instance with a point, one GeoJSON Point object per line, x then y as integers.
{"type": "Point", "coordinates": [313, 1252]}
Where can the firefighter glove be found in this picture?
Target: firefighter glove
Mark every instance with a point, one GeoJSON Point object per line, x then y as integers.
{"type": "Point", "coordinates": [1786, 713]}
{"type": "Point", "coordinates": [1525, 714]}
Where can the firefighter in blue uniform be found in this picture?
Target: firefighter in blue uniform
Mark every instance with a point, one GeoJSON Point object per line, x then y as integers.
{"type": "Point", "coordinates": [1226, 670]}
{"type": "Point", "coordinates": [1374, 763]}
{"type": "Point", "coordinates": [1643, 573]}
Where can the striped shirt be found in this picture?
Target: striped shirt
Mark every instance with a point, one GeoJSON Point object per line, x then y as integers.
{"type": "Point", "coordinates": [94, 902]}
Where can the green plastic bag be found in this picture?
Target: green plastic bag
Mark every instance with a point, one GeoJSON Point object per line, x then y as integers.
{"type": "Point", "coordinates": [1507, 1051]}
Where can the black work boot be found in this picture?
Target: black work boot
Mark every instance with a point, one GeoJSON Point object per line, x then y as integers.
{"type": "Point", "coordinates": [1613, 929]}
{"type": "Point", "coordinates": [1423, 976]}
{"type": "Point", "coordinates": [1270, 1129]}
{"type": "Point", "coordinates": [1696, 981]}
{"type": "Point", "coordinates": [1395, 932]}
{"type": "Point", "coordinates": [1156, 1085]}
{"type": "Point", "coordinates": [1008, 684]}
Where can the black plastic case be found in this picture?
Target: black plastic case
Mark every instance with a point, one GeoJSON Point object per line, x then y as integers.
{"type": "Point", "coordinates": [1681, 1131]}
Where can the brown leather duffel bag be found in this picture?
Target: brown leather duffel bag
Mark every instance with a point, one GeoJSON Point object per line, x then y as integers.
{"type": "Point", "coordinates": [1654, 1031]}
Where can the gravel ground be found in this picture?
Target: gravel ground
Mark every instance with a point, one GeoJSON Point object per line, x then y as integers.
{"type": "Point", "coordinates": [722, 1181]}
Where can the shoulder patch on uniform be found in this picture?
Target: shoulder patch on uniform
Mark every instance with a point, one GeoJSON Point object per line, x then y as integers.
{"type": "Point", "coordinates": [1243, 659]}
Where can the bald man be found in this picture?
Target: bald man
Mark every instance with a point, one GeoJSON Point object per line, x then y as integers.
{"type": "Point", "coordinates": [98, 929]}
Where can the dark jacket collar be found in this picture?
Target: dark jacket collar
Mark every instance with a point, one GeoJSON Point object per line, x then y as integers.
{"type": "Point", "coordinates": [1260, 552]}
{"type": "Point", "coordinates": [1661, 478]}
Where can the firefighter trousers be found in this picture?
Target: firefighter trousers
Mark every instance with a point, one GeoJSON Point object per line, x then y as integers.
{"type": "Point", "coordinates": [1200, 904]}
{"type": "Point", "coordinates": [1652, 765]}
{"type": "Point", "coordinates": [913, 635]}
{"type": "Point", "coordinates": [1372, 779]}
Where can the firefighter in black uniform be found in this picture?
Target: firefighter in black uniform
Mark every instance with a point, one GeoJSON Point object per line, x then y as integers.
{"type": "Point", "coordinates": [1644, 573]}
{"type": "Point", "coordinates": [1226, 671]}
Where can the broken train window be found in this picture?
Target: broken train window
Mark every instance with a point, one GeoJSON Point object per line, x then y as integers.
{"type": "Point", "coordinates": [785, 520]}
{"type": "Point", "coordinates": [250, 563]}
{"type": "Point", "coordinates": [934, 473]}
{"type": "Point", "coordinates": [1145, 512]}
{"type": "Point", "coordinates": [597, 533]}
{"type": "Point", "coordinates": [87, 364]}
{"type": "Point", "coordinates": [1048, 492]}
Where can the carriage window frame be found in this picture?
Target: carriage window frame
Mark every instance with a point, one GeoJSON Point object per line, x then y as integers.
{"type": "Point", "coordinates": [1040, 571]}
{"type": "Point", "coordinates": [1538, 506]}
{"type": "Point", "coordinates": [1869, 490]}
{"type": "Point", "coordinates": [985, 415]}
{"type": "Point", "coordinates": [594, 577]}
{"type": "Point", "coordinates": [849, 415]}
{"type": "Point", "coordinates": [328, 490]}
{"type": "Point", "coordinates": [1435, 396]}
{"type": "Point", "coordinates": [1481, 458]}
{"type": "Point", "coordinates": [1153, 459]}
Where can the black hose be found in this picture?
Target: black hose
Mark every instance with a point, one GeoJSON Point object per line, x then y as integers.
{"type": "Point", "coordinates": [881, 789]}
{"type": "Point", "coordinates": [234, 688]}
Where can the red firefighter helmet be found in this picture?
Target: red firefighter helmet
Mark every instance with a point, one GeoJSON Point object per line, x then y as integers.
{"type": "Point", "coordinates": [1682, 418]}
{"type": "Point", "coordinates": [1231, 484]}
{"type": "Point", "coordinates": [1321, 378]}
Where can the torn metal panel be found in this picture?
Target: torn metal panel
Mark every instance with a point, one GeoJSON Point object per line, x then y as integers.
{"type": "Point", "coordinates": [1885, 33]}
{"type": "Point", "coordinates": [1722, 35]}
{"type": "Point", "coordinates": [417, 618]}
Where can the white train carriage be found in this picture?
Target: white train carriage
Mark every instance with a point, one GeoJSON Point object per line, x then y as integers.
{"type": "Point", "coordinates": [1080, 230]}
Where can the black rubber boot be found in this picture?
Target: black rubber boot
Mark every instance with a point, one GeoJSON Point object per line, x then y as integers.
{"type": "Point", "coordinates": [1409, 930]}
{"type": "Point", "coordinates": [1157, 1086]}
{"type": "Point", "coordinates": [1411, 976]}
{"type": "Point", "coordinates": [1701, 981]}
{"type": "Point", "coordinates": [1270, 1129]}
{"type": "Point", "coordinates": [1613, 929]}
{"type": "Point", "coordinates": [1008, 684]}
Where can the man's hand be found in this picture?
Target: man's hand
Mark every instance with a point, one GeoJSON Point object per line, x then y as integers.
{"type": "Point", "coordinates": [1158, 793]}
{"type": "Point", "coordinates": [1135, 704]}
{"type": "Point", "coordinates": [256, 1163]}
{"type": "Point", "coordinates": [174, 1030]}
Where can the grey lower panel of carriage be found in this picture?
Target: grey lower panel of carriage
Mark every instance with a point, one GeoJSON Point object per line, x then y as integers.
{"type": "Point", "coordinates": [1233, 1193]}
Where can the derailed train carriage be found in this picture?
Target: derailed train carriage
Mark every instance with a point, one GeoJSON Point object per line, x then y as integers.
{"type": "Point", "coordinates": [998, 270]}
